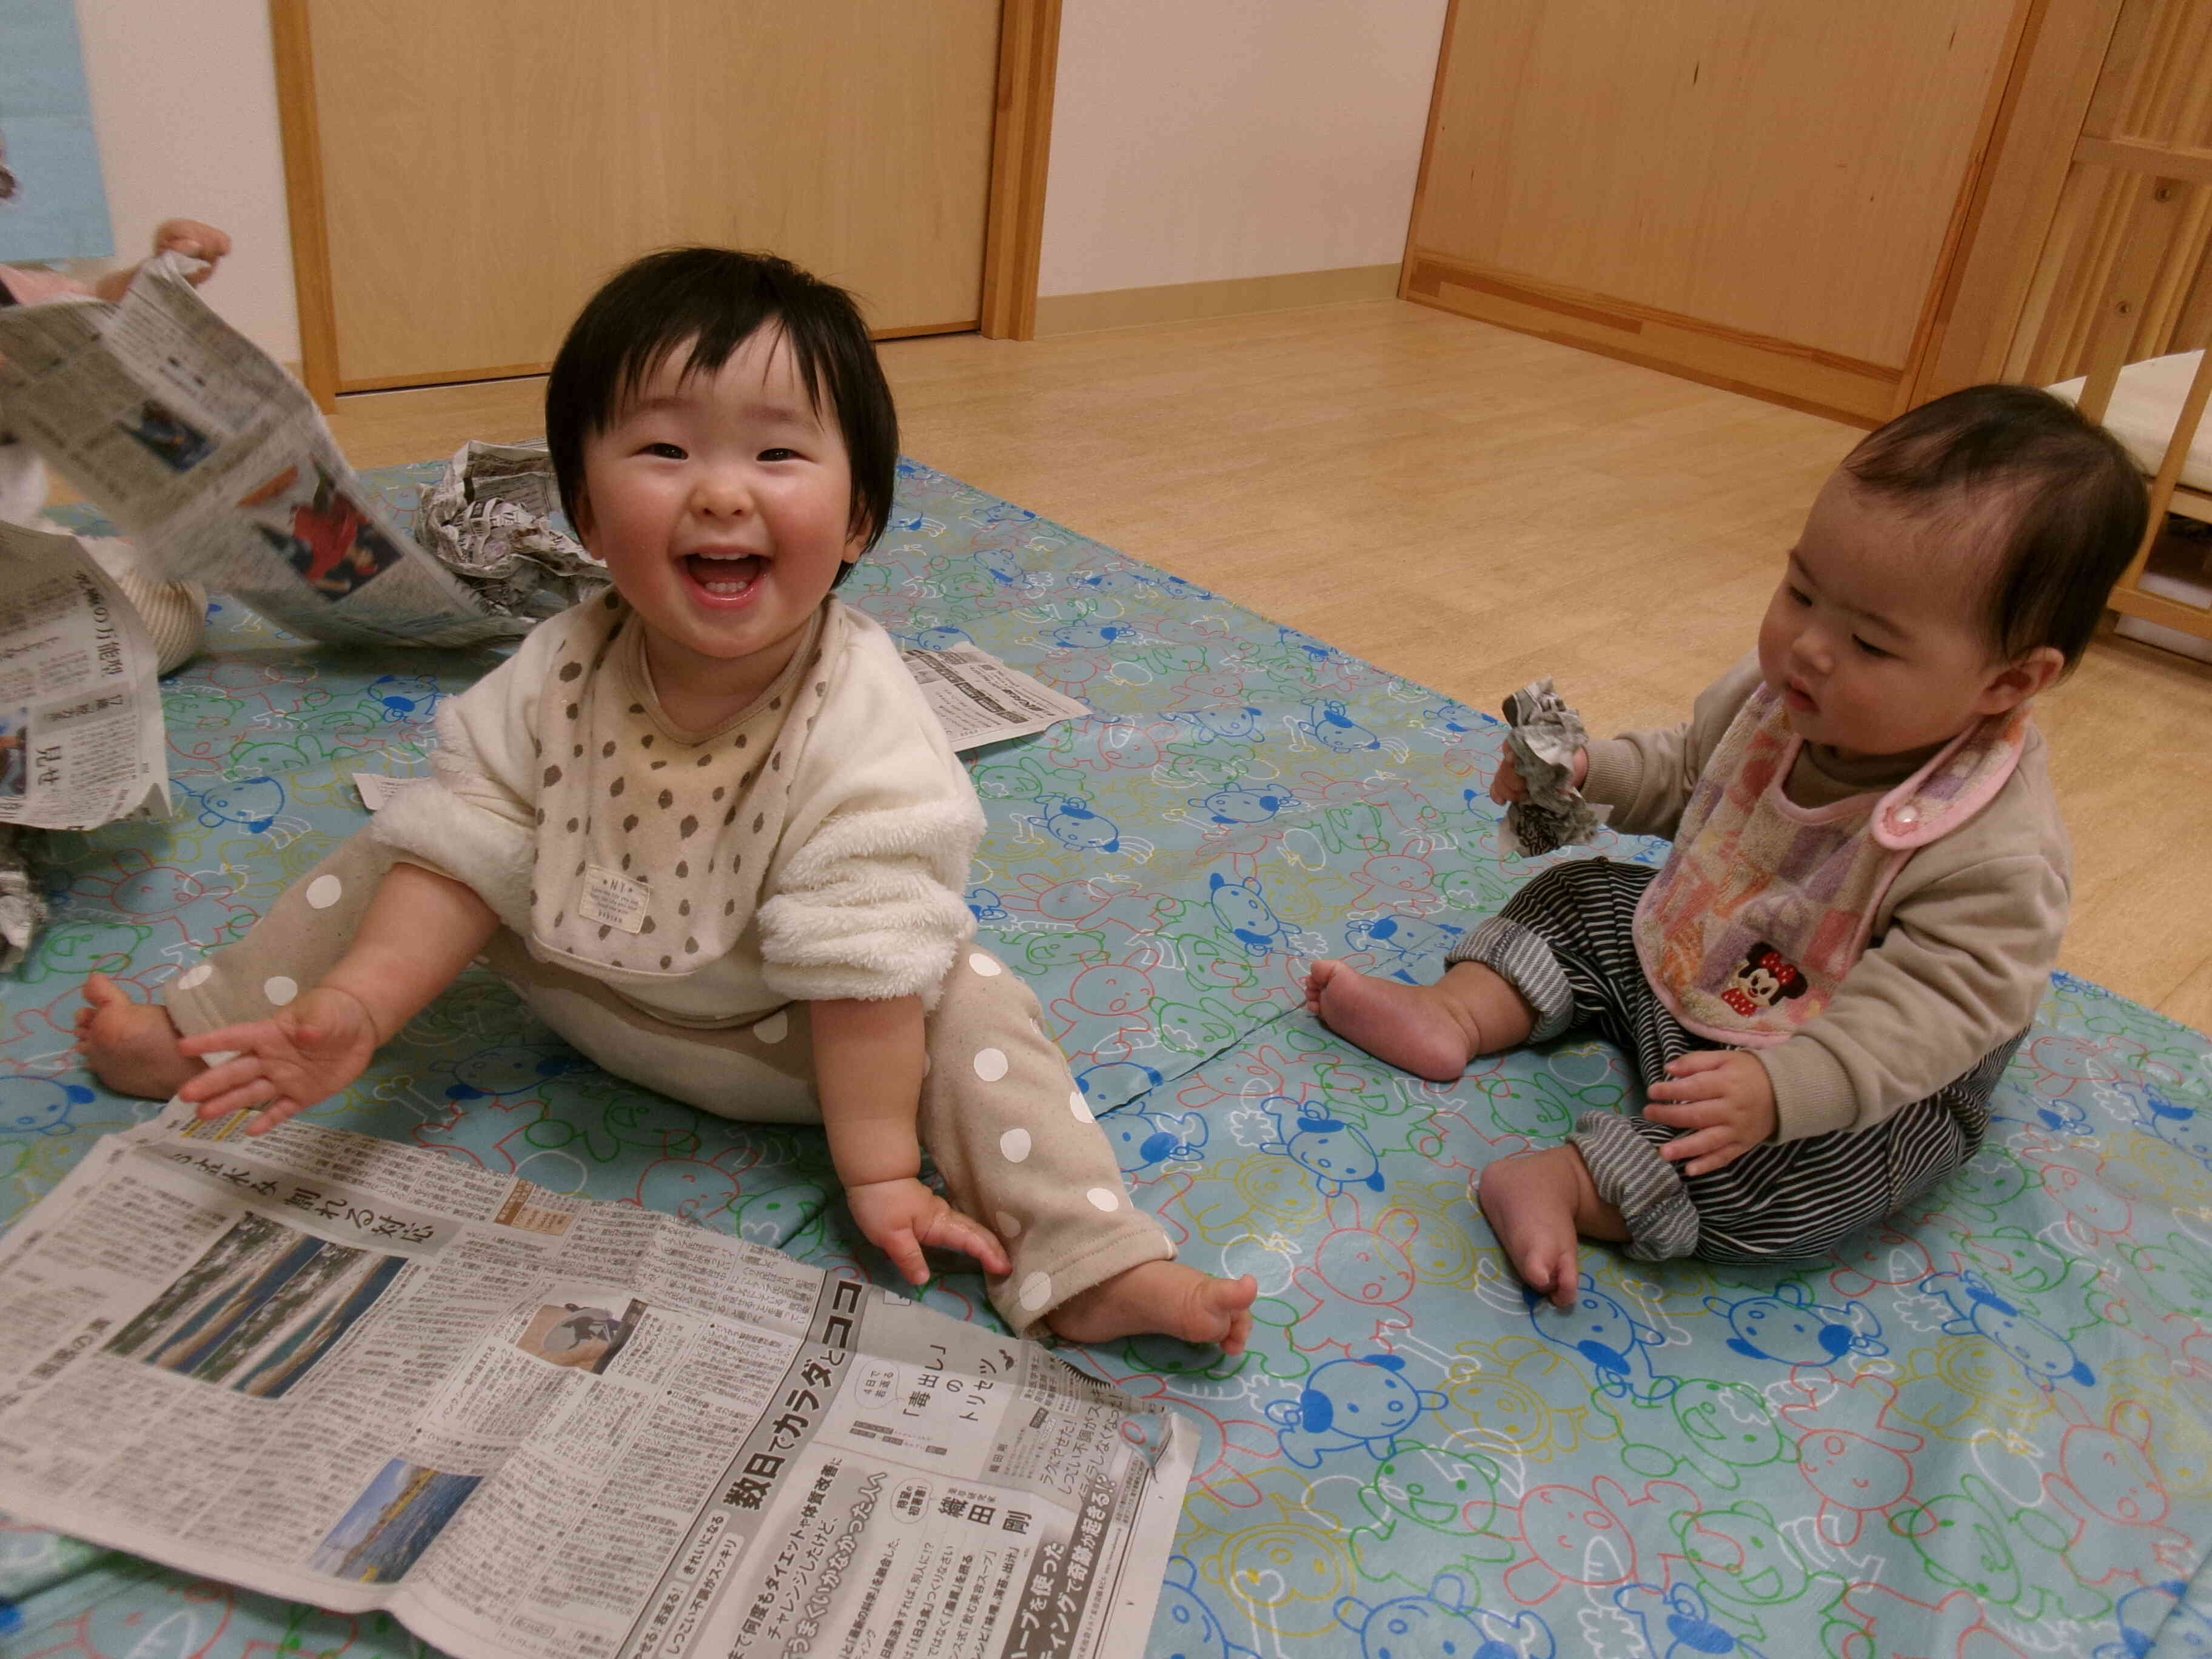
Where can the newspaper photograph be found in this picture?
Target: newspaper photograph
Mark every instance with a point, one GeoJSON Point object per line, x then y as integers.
{"type": "Point", "coordinates": [201, 447]}
{"type": "Point", "coordinates": [979, 700]}
{"type": "Point", "coordinates": [360, 1374]}
{"type": "Point", "coordinates": [81, 741]}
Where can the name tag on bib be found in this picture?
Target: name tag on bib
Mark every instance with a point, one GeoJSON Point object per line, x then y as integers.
{"type": "Point", "coordinates": [612, 901]}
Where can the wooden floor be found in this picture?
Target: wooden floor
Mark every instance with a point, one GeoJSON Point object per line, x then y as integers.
{"type": "Point", "coordinates": [1471, 507]}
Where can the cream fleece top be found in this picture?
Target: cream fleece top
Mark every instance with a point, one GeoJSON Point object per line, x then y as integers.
{"type": "Point", "coordinates": [814, 846]}
{"type": "Point", "coordinates": [1963, 941]}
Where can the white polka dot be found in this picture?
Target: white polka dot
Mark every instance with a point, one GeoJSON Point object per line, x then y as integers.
{"type": "Point", "coordinates": [1080, 1107]}
{"type": "Point", "coordinates": [991, 1065]}
{"type": "Point", "coordinates": [324, 891]}
{"type": "Point", "coordinates": [984, 965]}
{"type": "Point", "coordinates": [1104, 1199]}
{"type": "Point", "coordinates": [774, 1028]}
{"type": "Point", "coordinates": [198, 974]}
{"type": "Point", "coordinates": [1014, 1143]}
{"type": "Point", "coordinates": [279, 989]}
{"type": "Point", "coordinates": [1036, 1290]}
{"type": "Point", "coordinates": [1010, 1225]}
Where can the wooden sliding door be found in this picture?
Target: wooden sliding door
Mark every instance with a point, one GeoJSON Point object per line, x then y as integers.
{"type": "Point", "coordinates": [1759, 193]}
{"type": "Point", "coordinates": [464, 172]}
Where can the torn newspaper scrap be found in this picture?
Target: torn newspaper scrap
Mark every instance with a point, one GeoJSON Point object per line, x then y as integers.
{"type": "Point", "coordinates": [979, 700]}
{"type": "Point", "coordinates": [81, 741]}
{"type": "Point", "coordinates": [1544, 735]}
{"type": "Point", "coordinates": [495, 520]}
{"type": "Point", "coordinates": [356, 1373]}
{"type": "Point", "coordinates": [218, 464]}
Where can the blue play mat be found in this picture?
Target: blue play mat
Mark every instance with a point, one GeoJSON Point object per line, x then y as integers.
{"type": "Point", "coordinates": [1981, 1432]}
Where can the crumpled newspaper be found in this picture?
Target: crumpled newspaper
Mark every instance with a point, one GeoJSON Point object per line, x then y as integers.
{"type": "Point", "coordinates": [23, 905]}
{"type": "Point", "coordinates": [1545, 735]}
{"type": "Point", "coordinates": [494, 521]}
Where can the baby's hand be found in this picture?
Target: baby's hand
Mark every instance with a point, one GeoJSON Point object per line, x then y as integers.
{"type": "Point", "coordinates": [195, 241]}
{"type": "Point", "coordinates": [1509, 787]}
{"type": "Point", "coordinates": [1725, 1096]}
{"type": "Point", "coordinates": [903, 1216]}
{"type": "Point", "coordinates": [306, 1054]}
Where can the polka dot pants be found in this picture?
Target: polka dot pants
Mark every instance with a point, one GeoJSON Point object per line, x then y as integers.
{"type": "Point", "coordinates": [1001, 1113]}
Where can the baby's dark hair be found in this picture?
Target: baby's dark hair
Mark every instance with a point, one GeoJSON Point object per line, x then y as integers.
{"type": "Point", "coordinates": [2074, 511]}
{"type": "Point", "coordinates": [711, 301]}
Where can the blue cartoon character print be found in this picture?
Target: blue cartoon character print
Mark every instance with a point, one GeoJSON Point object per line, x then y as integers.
{"type": "Point", "coordinates": [1223, 725]}
{"type": "Point", "coordinates": [1399, 943]}
{"type": "Point", "coordinates": [2183, 1128]}
{"type": "Point", "coordinates": [252, 803]}
{"type": "Point", "coordinates": [39, 1105]}
{"type": "Point", "coordinates": [1337, 1154]}
{"type": "Point", "coordinates": [1678, 1624]}
{"type": "Point", "coordinates": [2158, 1618]}
{"type": "Point", "coordinates": [411, 697]}
{"type": "Point", "coordinates": [1789, 1329]}
{"type": "Point", "coordinates": [1073, 823]}
{"type": "Point", "coordinates": [1363, 1404]}
{"type": "Point", "coordinates": [2046, 1356]}
{"type": "Point", "coordinates": [1185, 1627]}
{"type": "Point", "coordinates": [1244, 910]}
{"type": "Point", "coordinates": [1329, 725]}
{"type": "Point", "coordinates": [1092, 637]}
{"type": "Point", "coordinates": [1608, 1336]}
{"type": "Point", "coordinates": [936, 639]}
{"type": "Point", "coordinates": [1107, 1086]}
{"type": "Point", "coordinates": [506, 1070]}
{"type": "Point", "coordinates": [1243, 805]}
{"type": "Point", "coordinates": [1145, 1140]}
{"type": "Point", "coordinates": [1442, 1624]}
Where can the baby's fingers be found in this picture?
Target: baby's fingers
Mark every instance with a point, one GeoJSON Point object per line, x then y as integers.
{"type": "Point", "coordinates": [955, 1231]}
{"type": "Point", "coordinates": [278, 1111]}
{"type": "Point", "coordinates": [231, 1037]}
{"type": "Point", "coordinates": [905, 1252]}
{"type": "Point", "coordinates": [1698, 1061]}
{"type": "Point", "coordinates": [1684, 1090]}
{"type": "Point", "coordinates": [224, 1078]}
{"type": "Point", "coordinates": [1701, 1145]}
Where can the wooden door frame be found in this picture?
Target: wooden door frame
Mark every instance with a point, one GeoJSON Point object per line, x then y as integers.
{"type": "Point", "coordinates": [1021, 148]}
{"type": "Point", "coordinates": [2014, 198]}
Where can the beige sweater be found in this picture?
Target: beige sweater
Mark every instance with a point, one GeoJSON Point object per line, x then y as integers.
{"type": "Point", "coordinates": [1963, 943]}
{"type": "Point", "coordinates": [814, 847]}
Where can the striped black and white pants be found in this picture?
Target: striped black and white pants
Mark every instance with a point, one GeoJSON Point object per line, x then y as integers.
{"type": "Point", "coordinates": [1565, 943]}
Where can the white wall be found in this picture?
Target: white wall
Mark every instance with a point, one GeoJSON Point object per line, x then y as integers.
{"type": "Point", "coordinates": [1199, 139]}
{"type": "Point", "coordinates": [184, 101]}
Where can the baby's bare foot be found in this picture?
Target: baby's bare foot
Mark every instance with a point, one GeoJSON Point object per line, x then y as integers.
{"type": "Point", "coordinates": [131, 1047]}
{"type": "Point", "coordinates": [1416, 1028]}
{"type": "Point", "coordinates": [1161, 1299]}
{"type": "Point", "coordinates": [1530, 1202]}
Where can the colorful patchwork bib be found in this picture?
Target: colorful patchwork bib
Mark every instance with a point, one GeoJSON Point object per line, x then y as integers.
{"type": "Point", "coordinates": [1765, 906]}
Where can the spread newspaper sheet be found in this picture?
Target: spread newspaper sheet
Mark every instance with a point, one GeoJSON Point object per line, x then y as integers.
{"type": "Point", "coordinates": [360, 1374]}
{"type": "Point", "coordinates": [200, 446]}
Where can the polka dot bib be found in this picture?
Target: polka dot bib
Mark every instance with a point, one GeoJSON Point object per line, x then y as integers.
{"type": "Point", "coordinates": [1764, 905]}
{"type": "Point", "coordinates": [652, 843]}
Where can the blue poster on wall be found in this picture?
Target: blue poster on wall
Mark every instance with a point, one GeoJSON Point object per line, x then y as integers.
{"type": "Point", "coordinates": [58, 209]}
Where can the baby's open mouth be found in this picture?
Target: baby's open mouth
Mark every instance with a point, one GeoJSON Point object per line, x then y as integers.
{"type": "Point", "coordinates": [725, 576]}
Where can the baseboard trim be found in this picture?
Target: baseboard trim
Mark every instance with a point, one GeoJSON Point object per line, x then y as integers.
{"type": "Point", "coordinates": [1238, 296]}
{"type": "Point", "coordinates": [1779, 371]}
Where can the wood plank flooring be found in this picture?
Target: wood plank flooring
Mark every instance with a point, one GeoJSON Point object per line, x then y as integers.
{"type": "Point", "coordinates": [1471, 507]}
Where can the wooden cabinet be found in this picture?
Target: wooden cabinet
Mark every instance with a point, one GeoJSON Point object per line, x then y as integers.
{"type": "Point", "coordinates": [1761, 194]}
